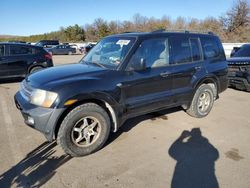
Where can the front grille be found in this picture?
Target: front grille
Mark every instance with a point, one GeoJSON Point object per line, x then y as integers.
{"type": "Point", "coordinates": [236, 68]}
{"type": "Point", "coordinates": [26, 90]}
{"type": "Point", "coordinates": [233, 68]}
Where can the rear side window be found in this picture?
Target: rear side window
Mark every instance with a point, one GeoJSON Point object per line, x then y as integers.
{"type": "Point", "coordinates": [20, 50]}
{"type": "Point", "coordinates": [1, 50]}
{"type": "Point", "coordinates": [195, 49]}
{"type": "Point", "coordinates": [181, 52]}
{"type": "Point", "coordinates": [210, 48]}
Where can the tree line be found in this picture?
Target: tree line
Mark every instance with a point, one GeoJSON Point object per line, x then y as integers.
{"type": "Point", "coordinates": [233, 26]}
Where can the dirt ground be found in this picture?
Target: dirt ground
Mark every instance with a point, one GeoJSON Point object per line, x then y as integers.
{"type": "Point", "coordinates": [148, 151]}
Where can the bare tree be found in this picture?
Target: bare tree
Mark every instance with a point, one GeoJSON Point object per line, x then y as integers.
{"type": "Point", "coordinates": [140, 22]}
{"type": "Point", "coordinates": [180, 23]}
{"type": "Point", "coordinates": [238, 16]}
{"type": "Point", "coordinates": [233, 26]}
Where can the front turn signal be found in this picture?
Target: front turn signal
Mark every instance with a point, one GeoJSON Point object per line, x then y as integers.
{"type": "Point", "coordinates": [70, 102]}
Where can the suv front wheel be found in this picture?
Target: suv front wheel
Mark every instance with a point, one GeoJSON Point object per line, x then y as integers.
{"type": "Point", "coordinates": [84, 130]}
{"type": "Point", "coordinates": [202, 102]}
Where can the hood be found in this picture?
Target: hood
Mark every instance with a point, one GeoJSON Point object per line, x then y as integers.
{"type": "Point", "coordinates": [239, 61]}
{"type": "Point", "coordinates": [63, 74]}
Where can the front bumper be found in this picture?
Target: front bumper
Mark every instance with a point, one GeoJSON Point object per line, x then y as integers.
{"type": "Point", "coordinates": [45, 119]}
{"type": "Point", "coordinates": [240, 83]}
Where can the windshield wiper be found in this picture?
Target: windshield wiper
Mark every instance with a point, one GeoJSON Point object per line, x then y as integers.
{"type": "Point", "coordinates": [98, 64]}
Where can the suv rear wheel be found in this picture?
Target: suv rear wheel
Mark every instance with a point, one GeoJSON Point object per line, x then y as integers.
{"type": "Point", "coordinates": [35, 69]}
{"type": "Point", "coordinates": [202, 102]}
{"type": "Point", "coordinates": [84, 130]}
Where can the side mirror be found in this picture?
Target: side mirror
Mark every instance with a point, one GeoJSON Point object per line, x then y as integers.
{"type": "Point", "coordinates": [139, 64]}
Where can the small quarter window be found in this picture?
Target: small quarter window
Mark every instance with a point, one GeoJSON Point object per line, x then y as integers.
{"type": "Point", "coordinates": [210, 48]}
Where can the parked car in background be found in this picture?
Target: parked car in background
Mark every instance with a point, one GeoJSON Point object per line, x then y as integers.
{"type": "Point", "coordinates": [62, 50]}
{"type": "Point", "coordinates": [123, 76]}
{"type": "Point", "coordinates": [18, 60]}
{"type": "Point", "coordinates": [73, 46]}
{"type": "Point", "coordinates": [47, 43]}
{"type": "Point", "coordinates": [17, 41]}
{"type": "Point", "coordinates": [76, 47]}
{"type": "Point", "coordinates": [239, 68]}
{"type": "Point", "coordinates": [84, 50]}
{"type": "Point", "coordinates": [234, 50]}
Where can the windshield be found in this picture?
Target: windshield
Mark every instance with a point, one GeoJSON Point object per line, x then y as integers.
{"type": "Point", "coordinates": [39, 44]}
{"type": "Point", "coordinates": [244, 51]}
{"type": "Point", "coordinates": [109, 52]}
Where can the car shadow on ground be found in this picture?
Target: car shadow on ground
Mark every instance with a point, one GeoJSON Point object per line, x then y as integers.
{"type": "Point", "coordinates": [237, 89]}
{"type": "Point", "coordinates": [35, 169]}
{"type": "Point", "coordinates": [130, 123]}
{"type": "Point", "coordinates": [195, 161]}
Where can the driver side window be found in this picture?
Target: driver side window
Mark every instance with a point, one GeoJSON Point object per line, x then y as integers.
{"type": "Point", "coordinates": [154, 52]}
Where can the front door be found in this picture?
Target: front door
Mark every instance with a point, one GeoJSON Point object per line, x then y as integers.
{"type": "Point", "coordinates": [148, 89]}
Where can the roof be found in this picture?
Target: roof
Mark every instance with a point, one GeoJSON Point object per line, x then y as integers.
{"type": "Point", "coordinates": [163, 33]}
{"type": "Point", "coordinates": [19, 44]}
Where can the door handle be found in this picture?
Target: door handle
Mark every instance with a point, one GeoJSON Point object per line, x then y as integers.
{"type": "Point", "coordinates": [198, 68]}
{"type": "Point", "coordinates": [164, 74]}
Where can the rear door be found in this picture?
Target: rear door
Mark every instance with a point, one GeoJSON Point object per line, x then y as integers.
{"type": "Point", "coordinates": [18, 59]}
{"type": "Point", "coordinates": [4, 72]}
{"type": "Point", "coordinates": [150, 89]}
{"type": "Point", "coordinates": [187, 62]}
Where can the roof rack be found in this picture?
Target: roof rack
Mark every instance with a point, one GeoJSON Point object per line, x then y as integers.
{"type": "Point", "coordinates": [130, 32]}
{"type": "Point", "coordinates": [158, 31]}
{"type": "Point", "coordinates": [182, 30]}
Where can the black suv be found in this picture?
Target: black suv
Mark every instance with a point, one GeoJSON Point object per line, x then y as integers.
{"type": "Point", "coordinates": [18, 60]}
{"type": "Point", "coordinates": [239, 68]}
{"type": "Point", "coordinates": [123, 76]}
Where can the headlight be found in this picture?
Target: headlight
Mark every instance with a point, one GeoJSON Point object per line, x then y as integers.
{"type": "Point", "coordinates": [43, 98]}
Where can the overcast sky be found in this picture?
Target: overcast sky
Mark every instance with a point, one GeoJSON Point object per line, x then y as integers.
{"type": "Point", "coordinates": [27, 17]}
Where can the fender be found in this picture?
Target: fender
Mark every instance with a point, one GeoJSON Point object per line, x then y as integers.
{"type": "Point", "coordinates": [208, 79]}
{"type": "Point", "coordinates": [101, 98]}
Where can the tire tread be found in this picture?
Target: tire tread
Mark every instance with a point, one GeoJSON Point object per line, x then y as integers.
{"type": "Point", "coordinates": [89, 107]}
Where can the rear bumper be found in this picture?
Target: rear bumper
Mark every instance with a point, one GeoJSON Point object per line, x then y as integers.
{"type": "Point", "coordinates": [223, 83]}
{"type": "Point", "coordinates": [43, 119]}
{"type": "Point", "coordinates": [239, 83]}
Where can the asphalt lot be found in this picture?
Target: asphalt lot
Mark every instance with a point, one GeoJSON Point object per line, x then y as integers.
{"type": "Point", "coordinates": [146, 152]}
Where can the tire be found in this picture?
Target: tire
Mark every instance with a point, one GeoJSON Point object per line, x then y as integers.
{"type": "Point", "coordinates": [202, 102]}
{"type": "Point", "coordinates": [35, 69]}
{"type": "Point", "coordinates": [70, 53]}
{"type": "Point", "coordinates": [75, 135]}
